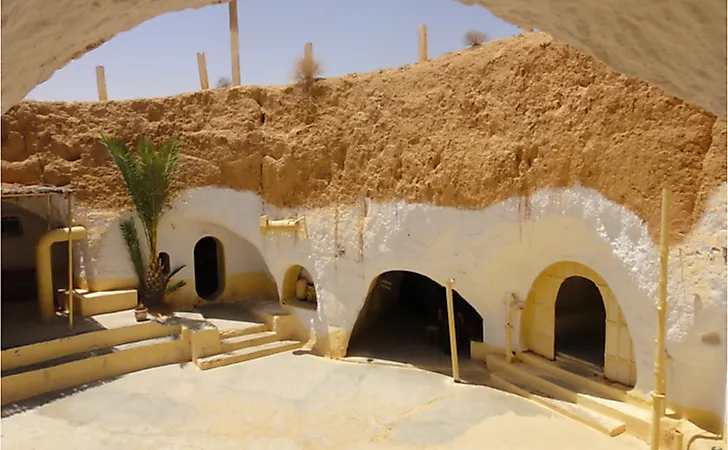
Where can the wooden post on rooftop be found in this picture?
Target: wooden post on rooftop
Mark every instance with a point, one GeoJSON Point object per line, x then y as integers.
{"type": "Point", "coordinates": [451, 330]}
{"type": "Point", "coordinates": [423, 43]}
{"type": "Point", "coordinates": [308, 52]}
{"type": "Point", "coordinates": [101, 83]}
{"type": "Point", "coordinates": [202, 69]}
{"type": "Point", "coordinates": [234, 42]}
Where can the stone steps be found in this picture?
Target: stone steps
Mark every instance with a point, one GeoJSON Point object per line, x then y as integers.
{"type": "Point", "coordinates": [82, 368]}
{"type": "Point", "coordinates": [599, 422]}
{"type": "Point", "coordinates": [247, 340]}
{"type": "Point", "coordinates": [247, 353]}
{"type": "Point", "coordinates": [595, 404]}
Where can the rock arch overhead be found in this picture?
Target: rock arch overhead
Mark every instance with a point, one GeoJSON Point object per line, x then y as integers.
{"type": "Point", "coordinates": [680, 47]}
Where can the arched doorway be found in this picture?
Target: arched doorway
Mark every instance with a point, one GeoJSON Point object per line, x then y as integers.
{"type": "Point", "coordinates": [298, 288]}
{"type": "Point", "coordinates": [404, 319]}
{"type": "Point", "coordinates": [21, 231]}
{"type": "Point", "coordinates": [547, 327]}
{"type": "Point", "coordinates": [209, 268]}
{"type": "Point", "coordinates": [580, 321]}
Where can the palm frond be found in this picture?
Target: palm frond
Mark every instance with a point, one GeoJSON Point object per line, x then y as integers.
{"type": "Point", "coordinates": [148, 176]}
{"type": "Point", "coordinates": [176, 286]}
{"type": "Point", "coordinates": [131, 239]}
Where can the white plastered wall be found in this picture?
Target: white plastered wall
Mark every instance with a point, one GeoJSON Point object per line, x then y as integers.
{"type": "Point", "coordinates": [492, 253]}
{"type": "Point", "coordinates": [179, 231]}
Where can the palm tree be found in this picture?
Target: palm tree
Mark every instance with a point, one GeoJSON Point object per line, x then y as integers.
{"type": "Point", "coordinates": [147, 175]}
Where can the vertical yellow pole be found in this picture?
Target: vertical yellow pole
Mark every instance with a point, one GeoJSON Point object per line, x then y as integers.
{"type": "Point", "coordinates": [658, 392]}
{"type": "Point", "coordinates": [509, 329]}
{"type": "Point", "coordinates": [234, 41]}
{"type": "Point", "coordinates": [423, 43]}
{"type": "Point", "coordinates": [451, 327]}
{"type": "Point", "coordinates": [202, 70]}
{"type": "Point", "coordinates": [70, 261]}
{"type": "Point", "coordinates": [101, 83]}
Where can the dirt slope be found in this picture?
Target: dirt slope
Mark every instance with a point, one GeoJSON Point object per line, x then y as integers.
{"type": "Point", "coordinates": [466, 130]}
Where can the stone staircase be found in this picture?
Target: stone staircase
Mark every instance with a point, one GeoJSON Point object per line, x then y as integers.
{"type": "Point", "coordinates": [609, 408]}
{"type": "Point", "coordinates": [118, 346]}
{"type": "Point", "coordinates": [243, 344]}
{"type": "Point", "coordinates": [261, 331]}
{"type": "Point", "coordinates": [47, 357]}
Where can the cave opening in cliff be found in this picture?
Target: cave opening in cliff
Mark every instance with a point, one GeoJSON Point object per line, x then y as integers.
{"type": "Point", "coordinates": [404, 320]}
{"type": "Point", "coordinates": [209, 268]}
{"type": "Point", "coordinates": [580, 321]}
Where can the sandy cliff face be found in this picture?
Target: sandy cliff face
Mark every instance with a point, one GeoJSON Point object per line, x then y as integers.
{"type": "Point", "coordinates": [677, 45]}
{"type": "Point", "coordinates": [465, 130]}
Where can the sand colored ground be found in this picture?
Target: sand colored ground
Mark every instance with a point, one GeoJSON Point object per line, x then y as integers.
{"type": "Point", "coordinates": [289, 402]}
{"type": "Point", "coordinates": [464, 130]}
{"type": "Point", "coordinates": [677, 45]}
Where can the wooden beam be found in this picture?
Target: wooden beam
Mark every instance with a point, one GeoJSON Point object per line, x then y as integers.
{"type": "Point", "coordinates": [308, 51]}
{"type": "Point", "coordinates": [423, 43]}
{"type": "Point", "coordinates": [202, 70]}
{"type": "Point", "coordinates": [234, 41]}
{"type": "Point", "coordinates": [101, 83]}
{"type": "Point", "coordinates": [451, 328]}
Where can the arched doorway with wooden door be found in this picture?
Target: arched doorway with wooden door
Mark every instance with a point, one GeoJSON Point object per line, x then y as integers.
{"type": "Point", "coordinates": [571, 313]}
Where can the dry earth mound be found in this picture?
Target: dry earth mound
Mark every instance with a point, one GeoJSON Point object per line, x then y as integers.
{"type": "Point", "coordinates": [465, 130]}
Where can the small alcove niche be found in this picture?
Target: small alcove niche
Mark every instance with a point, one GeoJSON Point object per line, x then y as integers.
{"type": "Point", "coordinates": [299, 289]}
{"type": "Point", "coordinates": [165, 261]}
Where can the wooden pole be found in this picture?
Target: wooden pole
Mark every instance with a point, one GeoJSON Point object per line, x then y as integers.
{"type": "Point", "coordinates": [234, 41]}
{"type": "Point", "coordinates": [658, 391]}
{"type": "Point", "coordinates": [308, 52]}
{"type": "Point", "coordinates": [509, 328]}
{"type": "Point", "coordinates": [202, 70]}
{"type": "Point", "coordinates": [101, 83]}
{"type": "Point", "coordinates": [451, 327]}
{"type": "Point", "coordinates": [423, 43]}
{"type": "Point", "coordinates": [70, 261]}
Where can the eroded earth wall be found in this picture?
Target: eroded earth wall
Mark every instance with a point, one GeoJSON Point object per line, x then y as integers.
{"type": "Point", "coordinates": [465, 130]}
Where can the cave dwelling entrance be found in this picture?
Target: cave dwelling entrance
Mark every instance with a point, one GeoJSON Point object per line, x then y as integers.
{"type": "Point", "coordinates": [572, 318]}
{"type": "Point", "coordinates": [404, 320]}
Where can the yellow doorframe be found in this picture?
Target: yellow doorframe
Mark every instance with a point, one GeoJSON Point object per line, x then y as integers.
{"type": "Point", "coordinates": [538, 320]}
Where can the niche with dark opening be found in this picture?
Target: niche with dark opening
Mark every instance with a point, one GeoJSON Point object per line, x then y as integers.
{"type": "Point", "coordinates": [21, 231]}
{"type": "Point", "coordinates": [164, 260]}
{"type": "Point", "coordinates": [580, 321]}
{"type": "Point", "coordinates": [209, 271]}
{"type": "Point", "coordinates": [404, 318]}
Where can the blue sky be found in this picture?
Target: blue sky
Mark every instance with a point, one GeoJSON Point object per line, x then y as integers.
{"type": "Point", "coordinates": [158, 58]}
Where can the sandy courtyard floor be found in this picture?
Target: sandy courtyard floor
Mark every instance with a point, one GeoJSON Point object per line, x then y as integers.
{"type": "Point", "coordinates": [291, 401]}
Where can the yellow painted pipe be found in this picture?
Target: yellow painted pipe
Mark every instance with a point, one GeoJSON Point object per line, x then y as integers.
{"type": "Point", "coordinates": [677, 443]}
{"type": "Point", "coordinates": [451, 327]}
{"type": "Point", "coordinates": [286, 225]}
{"type": "Point", "coordinates": [44, 266]}
{"type": "Point", "coordinates": [658, 392]}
